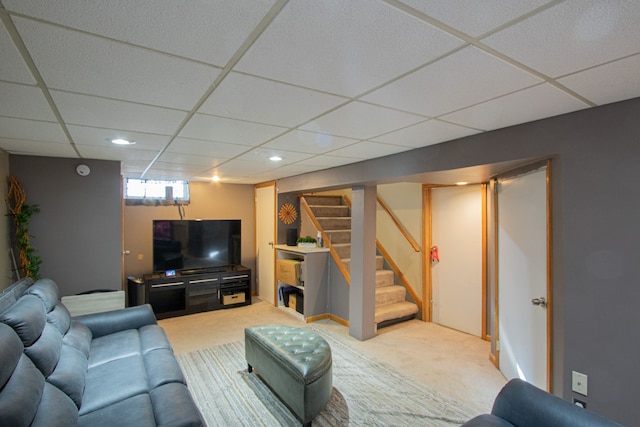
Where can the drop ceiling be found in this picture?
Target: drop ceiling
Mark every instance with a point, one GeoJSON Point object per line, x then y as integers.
{"type": "Point", "coordinates": [218, 87]}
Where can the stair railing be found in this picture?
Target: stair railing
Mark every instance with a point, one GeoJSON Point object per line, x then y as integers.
{"type": "Point", "coordinates": [397, 223]}
{"type": "Point", "coordinates": [387, 256]}
{"type": "Point", "coordinates": [327, 243]}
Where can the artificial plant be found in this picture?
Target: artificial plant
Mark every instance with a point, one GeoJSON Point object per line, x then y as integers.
{"type": "Point", "coordinates": [21, 213]}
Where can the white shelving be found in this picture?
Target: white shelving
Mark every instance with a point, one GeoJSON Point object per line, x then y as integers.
{"type": "Point", "coordinates": [314, 275]}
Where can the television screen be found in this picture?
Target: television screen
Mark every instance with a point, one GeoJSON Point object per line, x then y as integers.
{"type": "Point", "coordinates": [196, 244]}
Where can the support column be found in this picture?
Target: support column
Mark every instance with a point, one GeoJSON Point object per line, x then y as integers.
{"type": "Point", "coordinates": [362, 292]}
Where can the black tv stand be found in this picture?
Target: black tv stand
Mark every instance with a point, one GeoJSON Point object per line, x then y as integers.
{"type": "Point", "coordinates": [202, 290]}
{"type": "Point", "coordinates": [204, 270]}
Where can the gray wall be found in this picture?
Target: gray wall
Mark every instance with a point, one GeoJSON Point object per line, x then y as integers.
{"type": "Point", "coordinates": [596, 211]}
{"type": "Point", "coordinates": [6, 269]}
{"type": "Point", "coordinates": [78, 230]}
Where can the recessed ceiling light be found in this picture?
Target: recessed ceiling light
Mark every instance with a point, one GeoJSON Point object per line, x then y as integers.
{"type": "Point", "coordinates": [275, 158]}
{"type": "Point", "coordinates": [120, 141]}
{"type": "Point", "coordinates": [462, 183]}
{"type": "Point", "coordinates": [215, 178]}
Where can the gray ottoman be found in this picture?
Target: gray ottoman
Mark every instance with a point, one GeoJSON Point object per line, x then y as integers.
{"type": "Point", "coordinates": [295, 363]}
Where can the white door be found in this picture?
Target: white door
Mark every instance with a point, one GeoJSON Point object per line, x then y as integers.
{"type": "Point", "coordinates": [456, 230]}
{"type": "Point", "coordinates": [522, 277]}
{"type": "Point", "coordinates": [265, 238]}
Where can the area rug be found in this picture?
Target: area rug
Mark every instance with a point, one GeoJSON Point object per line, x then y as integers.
{"type": "Point", "coordinates": [365, 392]}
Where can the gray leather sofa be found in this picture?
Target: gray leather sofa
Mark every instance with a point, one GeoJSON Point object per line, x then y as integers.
{"type": "Point", "coordinates": [107, 369]}
{"type": "Point", "coordinates": [520, 404]}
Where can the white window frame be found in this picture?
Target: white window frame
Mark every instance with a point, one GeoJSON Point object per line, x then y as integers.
{"type": "Point", "coordinates": [156, 191]}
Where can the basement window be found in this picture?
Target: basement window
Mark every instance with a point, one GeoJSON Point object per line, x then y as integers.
{"type": "Point", "coordinates": [154, 192]}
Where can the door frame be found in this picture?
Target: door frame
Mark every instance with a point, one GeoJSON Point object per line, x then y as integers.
{"type": "Point", "coordinates": [495, 356]}
{"type": "Point", "coordinates": [427, 243]}
{"type": "Point", "coordinates": [255, 219]}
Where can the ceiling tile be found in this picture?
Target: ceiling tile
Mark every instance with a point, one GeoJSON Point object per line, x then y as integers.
{"type": "Point", "coordinates": [611, 82]}
{"type": "Point", "coordinates": [189, 159]}
{"type": "Point", "coordinates": [309, 142]}
{"type": "Point", "coordinates": [102, 137]}
{"type": "Point", "coordinates": [25, 102]}
{"type": "Point", "coordinates": [327, 161]}
{"type": "Point", "coordinates": [221, 150]}
{"type": "Point", "coordinates": [264, 101]}
{"type": "Point", "coordinates": [116, 153]}
{"type": "Point", "coordinates": [426, 133]}
{"type": "Point", "coordinates": [216, 29]}
{"type": "Point", "coordinates": [369, 150]}
{"type": "Point", "coordinates": [110, 114]}
{"type": "Point", "coordinates": [572, 36]}
{"type": "Point", "coordinates": [361, 121]}
{"type": "Point", "coordinates": [210, 128]}
{"type": "Point", "coordinates": [31, 130]}
{"type": "Point", "coordinates": [464, 78]}
{"type": "Point", "coordinates": [527, 105]}
{"type": "Point", "coordinates": [37, 148]}
{"type": "Point", "coordinates": [475, 17]}
{"type": "Point", "coordinates": [160, 172]}
{"type": "Point", "coordinates": [13, 67]}
{"type": "Point", "coordinates": [74, 61]}
{"type": "Point", "coordinates": [264, 154]}
{"type": "Point", "coordinates": [344, 47]}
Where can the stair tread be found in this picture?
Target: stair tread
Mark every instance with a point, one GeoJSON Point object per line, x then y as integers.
{"type": "Point", "coordinates": [395, 311]}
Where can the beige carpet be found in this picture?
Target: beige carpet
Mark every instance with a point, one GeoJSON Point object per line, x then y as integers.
{"type": "Point", "coordinates": [366, 392]}
{"type": "Point", "coordinates": [454, 363]}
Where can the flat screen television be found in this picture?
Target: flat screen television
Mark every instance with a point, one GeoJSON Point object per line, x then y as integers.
{"type": "Point", "coordinates": [196, 245]}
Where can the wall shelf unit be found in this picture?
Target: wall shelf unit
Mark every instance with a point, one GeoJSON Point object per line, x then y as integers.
{"type": "Point", "coordinates": [314, 277]}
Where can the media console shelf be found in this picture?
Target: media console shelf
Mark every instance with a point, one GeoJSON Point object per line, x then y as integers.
{"type": "Point", "coordinates": [197, 292]}
{"type": "Point", "coordinates": [315, 276]}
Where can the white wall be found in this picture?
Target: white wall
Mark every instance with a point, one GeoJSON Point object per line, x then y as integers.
{"type": "Point", "coordinates": [405, 202]}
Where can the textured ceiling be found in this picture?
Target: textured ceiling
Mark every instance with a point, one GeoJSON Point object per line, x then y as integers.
{"type": "Point", "coordinates": [220, 86]}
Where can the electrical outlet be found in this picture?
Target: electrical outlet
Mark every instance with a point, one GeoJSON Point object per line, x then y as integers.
{"type": "Point", "coordinates": [579, 382]}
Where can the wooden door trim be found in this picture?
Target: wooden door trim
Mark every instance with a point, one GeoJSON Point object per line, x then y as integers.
{"type": "Point", "coordinates": [255, 243]}
{"type": "Point", "coordinates": [549, 280]}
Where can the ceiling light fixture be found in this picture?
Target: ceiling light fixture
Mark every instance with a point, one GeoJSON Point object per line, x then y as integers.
{"type": "Point", "coordinates": [275, 158]}
{"type": "Point", "coordinates": [120, 141]}
{"type": "Point", "coordinates": [215, 178]}
{"type": "Point", "coordinates": [462, 183]}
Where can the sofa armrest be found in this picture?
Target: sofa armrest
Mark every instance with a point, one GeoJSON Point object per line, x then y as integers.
{"type": "Point", "coordinates": [109, 322]}
{"type": "Point", "coordinates": [523, 404]}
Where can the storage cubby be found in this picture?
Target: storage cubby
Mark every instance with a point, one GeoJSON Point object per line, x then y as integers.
{"type": "Point", "coordinates": [314, 287]}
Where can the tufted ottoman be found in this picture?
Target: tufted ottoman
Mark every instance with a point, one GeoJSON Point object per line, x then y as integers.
{"type": "Point", "coordinates": [295, 363]}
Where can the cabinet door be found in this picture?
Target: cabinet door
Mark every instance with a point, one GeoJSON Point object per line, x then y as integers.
{"type": "Point", "coordinates": [203, 297]}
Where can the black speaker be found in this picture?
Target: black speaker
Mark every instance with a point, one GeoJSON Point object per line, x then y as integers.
{"type": "Point", "coordinates": [292, 237]}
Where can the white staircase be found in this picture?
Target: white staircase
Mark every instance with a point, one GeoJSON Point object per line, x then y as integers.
{"type": "Point", "coordinates": [335, 220]}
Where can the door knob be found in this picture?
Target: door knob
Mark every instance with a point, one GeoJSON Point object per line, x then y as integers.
{"type": "Point", "coordinates": [271, 244]}
{"type": "Point", "coordinates": [542, 302]}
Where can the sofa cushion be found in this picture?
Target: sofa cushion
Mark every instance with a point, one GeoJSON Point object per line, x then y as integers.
{"type": "Point", "coordinates": [134, 411]}
{"type": "Point", "coordinates": [78, 336]}
{"type": "Point", "coordinates": [487, 420]}
{"type": "Point", "coordinates": [162, 368]}
{"type": "Point", "coordinates": [27, 317]}
{"type": "Point", "coordinates": [10, 353]}
{"type": "Point", "coordinates": [173, 405]}
{"type": "Point", "coordinates": [69, 375]}
{"type": "Point", "coordinates": [21, 395]}
{"type": "Point", "coordinates": [115, 346]}
{"type": "Point", "coordinates": [47, 291]}
{"type": "Point", "coordinates": [55, 409]}
{"type": "Point", "coordinates": [45, 352]}
{"type": "Point", "coordinates": [123, 378]}
{"type": "Point", "coordinates": [60, 318]}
